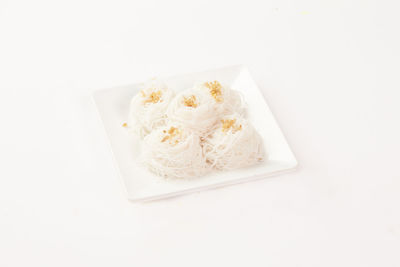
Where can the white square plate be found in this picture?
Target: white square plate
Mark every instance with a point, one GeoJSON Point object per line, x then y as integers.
{"type": "Point", "coordinates": [141, 185]}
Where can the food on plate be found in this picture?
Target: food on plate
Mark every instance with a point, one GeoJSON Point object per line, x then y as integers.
{"type": "Point", "coordinates": [200, 129]}
{"type": "Point", "coordinates": [147, 109]}
{"type": "Point", "coordinates": [233, 144]}
{"type": "Point", "coordinates": [194, 109]}
{"type": "Point", "coordinates": [173, 151]}
{"type": "Point", "coordinates": [227, 101]}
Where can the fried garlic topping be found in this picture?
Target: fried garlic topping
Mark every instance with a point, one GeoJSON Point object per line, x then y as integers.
{"type": "Point", "coordinates": [190, 101]}
{"type": "Point", "coordinates": [172, 132]}
{"type": "Point", "coordinates": [154, 97]}
{"type": "Point", "coordinates": [230, 124]}
{"type": "Point", "coordinates": [215, 90]}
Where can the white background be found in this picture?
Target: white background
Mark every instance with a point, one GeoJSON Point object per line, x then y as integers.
{"type": "Point", "coordinates": [328, 69]}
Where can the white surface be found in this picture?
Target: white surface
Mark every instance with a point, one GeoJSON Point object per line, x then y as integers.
{"type": "Point", "coordinates": [328, 69]}
{"type": "Point", "coordinates": [141, 185]}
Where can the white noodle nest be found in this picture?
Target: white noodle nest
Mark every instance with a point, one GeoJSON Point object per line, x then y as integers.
{"type": "Point", "coordinates": [233, 149]}
{"type": "Point", "coordinates": [180, 156]}
{"type": "Point", "coordinates": [231, 100]}
{"type": "Point", "coordinates": [144, 115]}
{"type": "Point", "coordinates": [199, 119]}
{"type": "Point", "coordinates": [203, 118]}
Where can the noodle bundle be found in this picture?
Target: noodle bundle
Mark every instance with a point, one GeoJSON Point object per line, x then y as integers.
{"type": "Point", "coordinates": [234, 144]}
{"type": "Point", "coordinates": [227, 101]}
{"type": "Point", "coordinates": [199, 108]}
{"type": "Point", "coordinates": [147, 109]}
{"type": "Point", "coordinates": [193, 109]}
{"type": "Point", "coordinates": [172, 151]}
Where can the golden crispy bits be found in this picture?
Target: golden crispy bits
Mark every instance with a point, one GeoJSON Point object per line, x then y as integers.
{"type": "Point", "coordinates": [124, 124]}
{"type": "Point", "coordinates": [172, 132]}
{"type": "Point", "coordinates": [154, 97]}
{"type": "Point", "coordinates": [227, 124]}
{"type": "Point", "coordinates": [190, 101]}
{"type": "Point", "coordinates": [215, 90]}
{"type": "Point", "coordinates": [230, 124]}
